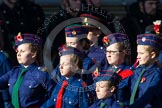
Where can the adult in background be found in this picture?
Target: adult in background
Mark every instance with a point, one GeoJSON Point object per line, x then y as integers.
{"type": "Point", "coordinates": [95, 3]}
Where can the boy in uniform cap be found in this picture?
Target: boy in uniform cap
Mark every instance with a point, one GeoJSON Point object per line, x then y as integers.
{"type": "Point", "coordinates": [28, 83]}
{"type": "Point", "coordinates": [96, 51]}
{"type": "Point", "coordinates": [106, 87]}
{"type": "Point", "coordinates": [118, 57]}
{"type": "Point", "coordinates": [146, 82]}
{"type": "Point", "coordinates": [75, 34]}
{"type": "Point", "coordinates": [68, 92]}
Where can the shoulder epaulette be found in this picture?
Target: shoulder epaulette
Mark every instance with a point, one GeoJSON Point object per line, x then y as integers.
{"type": "Point", "coordinates": [6, 54]}
{"type": "Point", "coordinates": [43, 69]}
{"type": "Point", "coordinates": [126, 73]}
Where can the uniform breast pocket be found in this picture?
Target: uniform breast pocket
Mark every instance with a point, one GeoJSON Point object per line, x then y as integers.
{"type": "Point", "coordinates": [73, 102]}
{"type": "Point", "coordinates": [33, 85]}
{"type": "Point", "coordinates": [11, 84]}
{"type": "Point", "coordinates": [31, 88]}
{"type": "Point", "coordinates": [54, 98]}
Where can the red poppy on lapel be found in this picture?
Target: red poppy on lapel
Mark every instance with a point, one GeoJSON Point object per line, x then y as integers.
{"type": "Point", "coordinates": [95, 73]}
{"type": "Point", "coordinates": [143, 79]}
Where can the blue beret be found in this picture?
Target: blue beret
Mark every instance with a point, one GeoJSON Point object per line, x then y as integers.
{"type": "Point", "coordinates": [76, 30]}
{"type": "Point", "coordinates": [107, 75]}
{"type": "Point", "coordinates": [27, 38]}
{"type": "Point", "coordinates": [69, 50]}
{"type": "Point", "coordinates": [115, 38]}
{"type": "Point", "coordinates": [150, 39]}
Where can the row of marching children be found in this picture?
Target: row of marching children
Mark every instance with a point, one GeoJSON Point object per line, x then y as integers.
{"type": "Point", "coordinates": [88, 75]}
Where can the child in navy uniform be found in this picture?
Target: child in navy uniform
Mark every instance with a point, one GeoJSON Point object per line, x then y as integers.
{"type": "Point", "coordinates": [69, 91]}
{"type": "Point", "coordinates": [118, 57]}
{"type": "Point", "coordinates": [146, 83]}
{"type": "Point", "coordinates": [106, 86]}
{"type": "Point", "coordinates": [28, 83]}
{"type": "Point", "coordinates": [96, 51]}
{"type": "Point", "coordinates": [74, 35]}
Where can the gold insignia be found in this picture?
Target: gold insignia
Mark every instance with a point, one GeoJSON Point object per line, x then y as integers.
{"type": "Point", "coordinates": [86, 24]}
{"type": "Point", "coordinates": [19, 34]}
{"type": "Point", "coordinates": [43, 69]}
{"type": "Point", "coordinates": [143, 39]}
{"type": "Point", "coordinates": [85, 20]}
{"type": "Point", "coordinates": [74, 32]}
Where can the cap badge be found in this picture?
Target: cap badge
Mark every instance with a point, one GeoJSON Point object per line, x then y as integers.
{"type": "Point", "coordinates": [74, 32]}
{"type": "Point", "coordinates": [143, 39]}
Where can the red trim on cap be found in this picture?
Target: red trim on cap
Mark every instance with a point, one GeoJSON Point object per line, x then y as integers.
{"type": "Point", "coordinates": [149, 40]}
{"type": "Point", "coordinates": [91, 16]}
{"type": "Point", "coordinates": [146, 35]}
